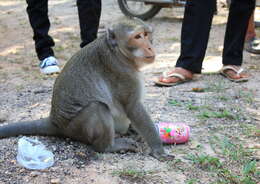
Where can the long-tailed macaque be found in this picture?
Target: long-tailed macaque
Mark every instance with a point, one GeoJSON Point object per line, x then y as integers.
{"type": "Point", "coordinates": [99, 92]}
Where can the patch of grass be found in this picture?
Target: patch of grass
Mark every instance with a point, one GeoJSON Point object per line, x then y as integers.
{"type": "Point", "coordinates": [223, 98]}
{"type": "Point", "coordinates": [257, 132]}
{"type": "Point", "coordinates": [235, 152]}
{"type": "Point", "coordinates": [192, 181]}
{"type": "Point", "coordinates": [248, 180]}
{"type": "Point", "coordinates": [227, 177]}
{"type": "Point", "coordinates": [206, 111]}
{"type": "Point", "coordinates": [189, 105]}
{"type": "Point", "coordinates": [249, 130]}
{"type": "Point", "coordinates": [245, 168]}
{"type": "Point", "coordinates": [205, 162]}
{"type": "Point", "coordinates": [248, 171]}
{"type": "Point", "coordinates": [132, 174]}
{"type": "Point", "coordinates": [216, 114]}
{"type": "Point", "coordinates": [175, 164]}
{"type": "Point", "coordinates": [194, 107]}
{"type": "Point", "coordinates": [249, 167]}
{"type": "Point", "coordinates": [175, 102]}
{"type": "Point", "coordinates": [217, 87]}
{"type": "Point", "coordinates": [246, 95]}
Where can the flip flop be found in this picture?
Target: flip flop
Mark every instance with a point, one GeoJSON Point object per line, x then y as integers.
{"type": "Point", "coordinates": [181, 80]}
{"type": "Point", "coordinates": [238, 71]}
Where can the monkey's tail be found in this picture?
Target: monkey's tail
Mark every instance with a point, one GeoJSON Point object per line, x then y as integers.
{"type": "Point", "coordinates": [36, 127]}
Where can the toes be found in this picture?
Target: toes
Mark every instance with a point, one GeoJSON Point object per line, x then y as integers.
{"type": "Point", "coordinates": [232, 74]}
{"type": "Point", "coordinates": [168, 79]}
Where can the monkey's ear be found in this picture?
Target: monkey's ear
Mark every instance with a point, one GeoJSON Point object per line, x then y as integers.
{"type": "Point", "coordinates": [111, 37]}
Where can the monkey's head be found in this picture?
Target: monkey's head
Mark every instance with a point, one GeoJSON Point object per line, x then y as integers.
{"type": "Point", "coordinates": [133, 38]}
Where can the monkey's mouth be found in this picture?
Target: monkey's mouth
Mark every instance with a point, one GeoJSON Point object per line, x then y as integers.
{"type": "Point", "coordinates": [150, 58]}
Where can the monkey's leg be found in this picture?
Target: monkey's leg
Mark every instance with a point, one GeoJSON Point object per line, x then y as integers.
{"type": "Point", "coordinates": [144, 125]}
{"type": "Point", "coordinates": [95, 126]}
{"type": "Point", "coordinates": [121, 124]}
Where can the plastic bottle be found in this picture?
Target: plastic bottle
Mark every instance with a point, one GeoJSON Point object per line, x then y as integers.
{"type": "Point", "coordinates": [173, 133]}
{"type": "Point", "coordinates": [32, 154]}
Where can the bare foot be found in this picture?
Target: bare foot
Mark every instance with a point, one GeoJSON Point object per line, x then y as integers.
{"type": "Point", "coordinates": [176, 76]}
{"type": "Point", "coordinates": [234, 73]}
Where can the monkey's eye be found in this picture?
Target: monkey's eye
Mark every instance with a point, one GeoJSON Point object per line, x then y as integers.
{"type": "Point", "coordinates": [138, 36]}
{"type": "Point", "coordinates": [145, 34]}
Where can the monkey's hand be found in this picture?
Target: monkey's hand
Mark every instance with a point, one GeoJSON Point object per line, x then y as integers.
{"type": "Point", "coordinates": [161, 155]}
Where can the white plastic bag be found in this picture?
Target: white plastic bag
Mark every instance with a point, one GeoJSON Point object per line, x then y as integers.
{"type": "Point", "coordinates": [32, 154]}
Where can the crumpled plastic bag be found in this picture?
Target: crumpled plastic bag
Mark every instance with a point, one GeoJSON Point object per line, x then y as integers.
{"type": "Point", "coordinates": [32, 154]}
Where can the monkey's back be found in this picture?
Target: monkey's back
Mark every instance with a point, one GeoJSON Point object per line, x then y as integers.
{"type": "Point", "coordinates": [80, 83]}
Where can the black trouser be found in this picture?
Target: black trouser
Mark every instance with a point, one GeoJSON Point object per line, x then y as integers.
{"type": "Point", "coordinates": [196, 27]}
{"type": "Point", "coordinates": [89, 14]}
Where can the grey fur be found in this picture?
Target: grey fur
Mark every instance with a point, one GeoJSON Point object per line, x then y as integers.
{"type": "Point", "coordinates": [97, 93]}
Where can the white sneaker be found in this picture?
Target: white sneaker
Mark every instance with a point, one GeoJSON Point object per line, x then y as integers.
{"type": "Point", "coordinates": [49, 66]}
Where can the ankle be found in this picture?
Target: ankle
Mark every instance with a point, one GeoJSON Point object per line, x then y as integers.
{"type": "Point", "coordinates": [185, 72]}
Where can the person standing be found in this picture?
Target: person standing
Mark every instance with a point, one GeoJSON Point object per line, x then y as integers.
{"type": "Point", "coordinates": [252, 43]}
{"type": "Point", "coordinates": [89, 12]}
{"type": "Point", "coordinates": [194, 39]}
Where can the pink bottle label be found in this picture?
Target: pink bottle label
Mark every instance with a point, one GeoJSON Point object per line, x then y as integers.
{"type": "Point", "coordinates": [173, 132]}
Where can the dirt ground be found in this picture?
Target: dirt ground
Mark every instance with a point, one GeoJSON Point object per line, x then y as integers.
{"type": "Point", "coordinates": [224, 118]}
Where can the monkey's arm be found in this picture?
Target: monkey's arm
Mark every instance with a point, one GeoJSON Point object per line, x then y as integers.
{"type": "Point", "coordinates": [144, 125]}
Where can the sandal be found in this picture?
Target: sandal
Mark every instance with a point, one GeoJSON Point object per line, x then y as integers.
{"type": "Point", "coordinates": [181, 79]}
{"type": "Point", "coordinates": [237, 77]}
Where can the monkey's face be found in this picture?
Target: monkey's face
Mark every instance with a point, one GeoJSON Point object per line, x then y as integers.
{"type": "Point", "coordinates": [133, 39]}
{"type": "Point", "coordinates": [140, 47]}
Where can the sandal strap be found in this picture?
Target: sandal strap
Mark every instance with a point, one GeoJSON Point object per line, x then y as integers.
{"type": "Point", "coordinates": [229, 67]}
{"type": "Point", "coordinates": [174, 74]}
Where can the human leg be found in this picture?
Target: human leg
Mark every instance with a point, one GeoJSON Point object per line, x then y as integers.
{"type": "Point", "coordinates": [241, 11]}
{"type": "Point", "coordinates": [89, 12]}
{"type": "Point", "coordinates": [250, 33]}
{"type": "Point", "coordinates": [195, 34]}
{"type": "Point", "coordinates": [252, 44]}
{"type": "Point", "coordinates": [38, 17]}
{"type": "Point", "coordinates": [194, 39]}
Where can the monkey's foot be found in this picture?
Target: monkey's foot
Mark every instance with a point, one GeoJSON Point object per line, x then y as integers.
{"type": "Point", "coordinates": [131, 131]}
{"type": "Point", "coordinates": [123, 145]}
{"type": "Point", "coordinates": [162, 156]}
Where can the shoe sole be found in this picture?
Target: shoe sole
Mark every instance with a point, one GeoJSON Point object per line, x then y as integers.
{"type": "Point", "coordinates": [49, 74]}
{"type": "Point", "coordinates": [234, 80]}
{"type": "Point", "coordinates": [50, 70]}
